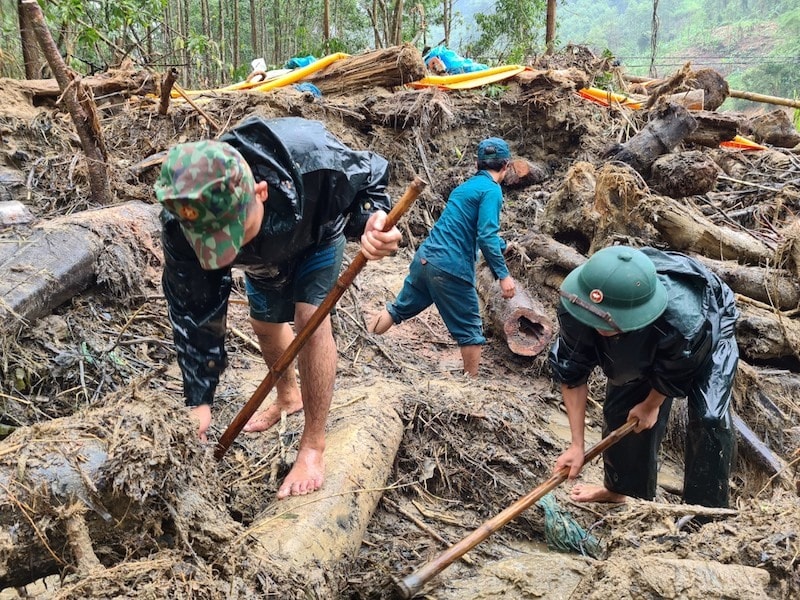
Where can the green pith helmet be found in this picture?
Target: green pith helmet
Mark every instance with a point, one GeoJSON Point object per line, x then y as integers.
{"type": "Point", "coordinates": [617, 289]}
{"type": "Point", "coordinates": [208, 187]}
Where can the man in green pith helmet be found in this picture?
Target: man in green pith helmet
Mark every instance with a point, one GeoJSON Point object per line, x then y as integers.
{"type": "Point", "coordinates": [276, 198]}
{"type": "Point", "coordinates": [660, 326]}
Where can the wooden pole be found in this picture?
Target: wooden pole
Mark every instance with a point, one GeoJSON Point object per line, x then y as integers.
{"type": "Point", "coordinates": [412, 584]}
{"type": "Point", "coordinates": [285, 360]}
{"type": "Point", "coordinates": [733, 93]}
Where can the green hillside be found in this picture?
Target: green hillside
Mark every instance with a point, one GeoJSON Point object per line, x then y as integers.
{"type": "Point", "coordinates": [754, 43]}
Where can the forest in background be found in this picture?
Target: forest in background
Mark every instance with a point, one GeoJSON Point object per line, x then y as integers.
{"type": "Point", "coordinates": [755, 44]}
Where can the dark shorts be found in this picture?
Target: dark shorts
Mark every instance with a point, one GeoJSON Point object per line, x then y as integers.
{"type": "Point", "coordinates": [455, 299]}
{"type": "Point", "coordinates": [308, 279]}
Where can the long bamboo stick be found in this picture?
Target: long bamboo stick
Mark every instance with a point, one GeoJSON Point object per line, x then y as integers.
{"type": "Point", "coordinates": [411, 584]}
{"type": "Point", "coordinates": [733, 93]}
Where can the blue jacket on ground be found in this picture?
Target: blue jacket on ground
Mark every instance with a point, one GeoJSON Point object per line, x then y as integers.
{"type": "Point", "coordinates": [470, 221]}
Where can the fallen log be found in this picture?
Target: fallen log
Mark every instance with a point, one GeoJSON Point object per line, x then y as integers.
{"type": "Point", "coordinates": [557, 253]}
{"type": "Point", "coordinates": [66, 255]}
{"type": "Point", "coordinates": [775, 287]}
{"type": "Point", "coordinates": [107, 484]}
{"type": "Point", "coordinates": [713, 128]}
{"type": "Point", "coordinates": [734, 94]}
{"type": "Point", "coordinates": [669, 124]}
{"type": "Point", "coordinates": [113, 82]}
{"type": "Point", "coordinates": [683, 174]}
{"type": "Point", "coordinates": [775, 128]}
{"type": "Point", "coordinates": [521, 321]}
{"type": "Point", "coordinates": [308, 537]}
{"type": "Point", "coordinates": [757, 450]}
{"type": "Point", "coordinates": [765, 336]}
{"type": "Point", "coordinates": [388, 67]}
{"type": "Point", "coordinates": [685, 229]}
{"type": "Point", "coordinates": [523, 173]}
{"type": "Point", "coordinates": [114, 484]}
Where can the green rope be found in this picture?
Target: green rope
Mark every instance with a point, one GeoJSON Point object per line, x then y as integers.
{"type": "Point", "coordinates": [563, 533]}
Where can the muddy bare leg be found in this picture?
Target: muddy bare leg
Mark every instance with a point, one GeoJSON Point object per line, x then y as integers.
{"type": "Point", "coordinates": [274, 338]}
{"type": "Point", "coordinates": [471, 357]}
{"type": "Point", "coordinates": [317, 364]}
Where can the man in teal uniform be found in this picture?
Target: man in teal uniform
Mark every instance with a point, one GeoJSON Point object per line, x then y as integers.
{"type": "Point", "coordinates": [443, 269]}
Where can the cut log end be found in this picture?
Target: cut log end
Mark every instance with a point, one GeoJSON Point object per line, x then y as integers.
{"type": "Point", "coordinates": [527, 334]}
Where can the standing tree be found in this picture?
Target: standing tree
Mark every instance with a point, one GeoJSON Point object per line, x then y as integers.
{"type": "Point", "coordinates": [31, 55]}
{"type": "Point", "coordinates": [550, 32]}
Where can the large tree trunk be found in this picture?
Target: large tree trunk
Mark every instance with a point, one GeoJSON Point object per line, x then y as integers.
{"type": "Point", "coordinates": [31, 55]}
{"type": "Point", "coordinates": [775, 287]}
{"type": "Point", "coordinates": [684, 228]}
{"type": "Point", "coordinates": [125, 83]}
{"type": "Point", "coordinates": [521, 321]}
{"type": "Point", "coordinates": [82, 490]}
{"type": "Point", "coordinates": [361, 444]}
{"type": "Point", "coordinates": [667, 128]}
{"type": "Point", "coordinates": [64, 256]}
{"type": "Point", "coordinates": [765, 336]}
{"type": "Point", "coordinates": [390, 67]}
{"type": "Point", "coordinates": [121, 482]}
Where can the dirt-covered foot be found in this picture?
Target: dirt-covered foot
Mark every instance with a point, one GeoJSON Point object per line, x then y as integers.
{"type": "Point", "coordinates": [306, 475]}
{"type": "Point", "coordinates": [380, 323]}
{"type": "Point", "coordinates": [582, 492]}
{"type": "Point", "coordinates": [263, 420]}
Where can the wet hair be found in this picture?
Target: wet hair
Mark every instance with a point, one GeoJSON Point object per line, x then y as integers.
{"type": "Point", "coordinates": [492, 164]}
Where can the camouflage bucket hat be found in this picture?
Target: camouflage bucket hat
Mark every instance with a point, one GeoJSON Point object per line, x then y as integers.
{"type": "Point", "coordinates": [208, 187]}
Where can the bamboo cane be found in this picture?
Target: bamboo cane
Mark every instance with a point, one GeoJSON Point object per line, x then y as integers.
{"type": "Point", "coordinates": [752, 96]}
{"type": "Point", "coordinates": [285, 360]}
{"type": "Point", "coordinates": [411, 584]}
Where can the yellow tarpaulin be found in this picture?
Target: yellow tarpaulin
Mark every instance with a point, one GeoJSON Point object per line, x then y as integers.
{"type": "Point", "coordinates": [464, 81]}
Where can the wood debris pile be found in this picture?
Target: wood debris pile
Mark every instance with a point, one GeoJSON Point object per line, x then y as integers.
{"type": "Point", "coordinates": [83, 319]}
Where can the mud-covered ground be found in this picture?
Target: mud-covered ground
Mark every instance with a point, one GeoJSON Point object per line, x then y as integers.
{"type": "Point", "coordinates": [469, 448]}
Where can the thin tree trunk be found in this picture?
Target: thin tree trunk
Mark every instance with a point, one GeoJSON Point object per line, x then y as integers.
{"type": "Point", "coordinates": [550, 34]}
{"type": "Point", "coordinates": [187, 56]}
{"type": "Point", "coordinates": [206, 20]}
{"type": "Point", "coordinates": [326, 25]}
{"type": "Point", "coordinates": [236, 53]}
{"type": "Point", "coordinates": [253, 31]}
{"type": "Point", "coordinates": [397, 23]}
{"type": "Point", "coordinates": [79, 103]}
{"type": "Point", "coordinates": [31, 55]}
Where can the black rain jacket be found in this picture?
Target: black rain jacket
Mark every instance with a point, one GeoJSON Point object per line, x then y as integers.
{"type": "Point", "coordinates": [319, 189]}
{"type": "Point", "coordinates": [670, 352]}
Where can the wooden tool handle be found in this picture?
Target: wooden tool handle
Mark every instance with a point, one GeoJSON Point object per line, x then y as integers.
{"type": "Point", "coordinates": [285, 360]}
{"type": "Point", "coordinates": [412, 584]}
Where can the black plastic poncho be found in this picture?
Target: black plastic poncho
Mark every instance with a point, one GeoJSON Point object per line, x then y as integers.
{"type": "Point", "coordinates": [689, 351]}
{"type": "Point", "coordinates": [319, 189]}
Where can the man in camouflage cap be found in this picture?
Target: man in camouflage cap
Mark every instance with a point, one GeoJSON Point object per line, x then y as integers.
{"type": "Point", "coordinates": [208, 187]}
{"type": "Point", "coordinates": [276, 198]}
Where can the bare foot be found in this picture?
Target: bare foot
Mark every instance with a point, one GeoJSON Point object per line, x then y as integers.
{"type": "Point", "coordinates": [594, 493]}
{"type": "Point", "coordinates": [306, 475]}
{"type": "Point", "coordinates": [263, 420]}
{"type": "Point", "coordinates": [380, 323]}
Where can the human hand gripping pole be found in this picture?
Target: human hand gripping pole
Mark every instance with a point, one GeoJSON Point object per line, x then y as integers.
{"type": "Point", "coordinates": [412, 584]}
{"type": "Point", "coordinates": [412, 192]}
